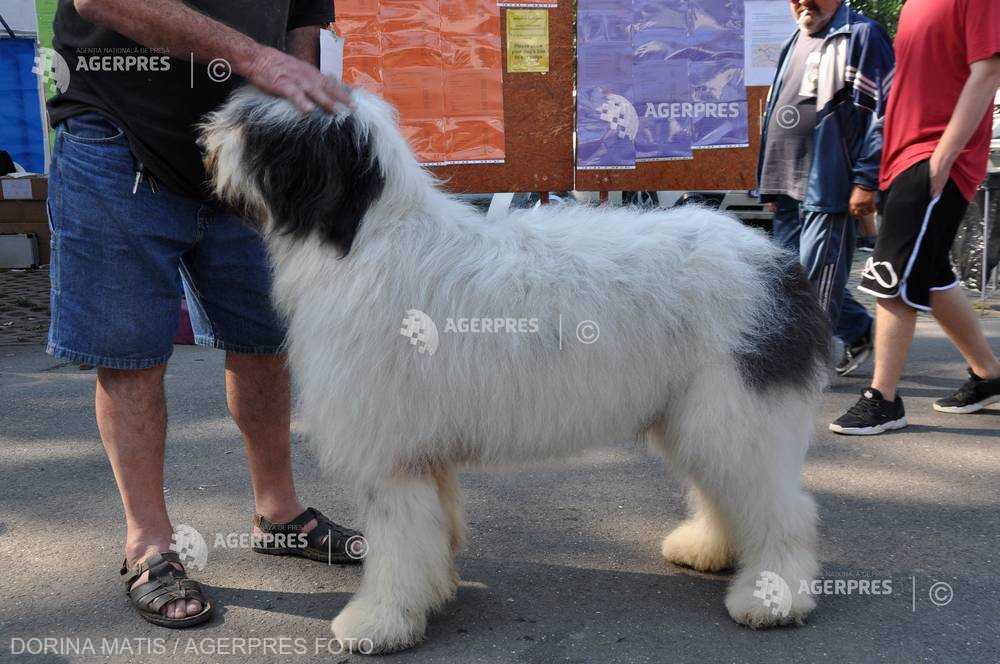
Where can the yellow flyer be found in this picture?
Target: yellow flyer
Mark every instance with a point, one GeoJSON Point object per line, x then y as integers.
{"type": "Point", "coordinates": [527, 40]}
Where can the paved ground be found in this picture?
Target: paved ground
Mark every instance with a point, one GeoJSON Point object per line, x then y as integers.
{"type": "Point", "coordinates": [563, 563]}
{"type": "Point", "coordinates": [24, 306]}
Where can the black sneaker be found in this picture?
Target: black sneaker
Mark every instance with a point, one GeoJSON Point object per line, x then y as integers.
{"type": "Point", "coordinates": [872, 414]}
{"type": "Point", "coordinates": [975, 394]}
{"type": "Point", "coordinates": [855, 355]}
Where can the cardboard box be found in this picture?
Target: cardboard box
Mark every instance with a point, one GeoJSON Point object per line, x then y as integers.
{"type": "Point", "coordinates": [24, 188]}
{"type": "Point", "coordinates": [22, 209]}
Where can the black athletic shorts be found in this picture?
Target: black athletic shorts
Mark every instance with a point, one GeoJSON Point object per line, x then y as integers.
{"type": "Point", "coordinates": [911, 254]}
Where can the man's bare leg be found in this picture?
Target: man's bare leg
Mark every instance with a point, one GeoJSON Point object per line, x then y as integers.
{"type": "Point", "coordinates": [955, 315]}
{"type": "Point", "coordinates": [895, 323]}
{"type": "Point", "coordinates": [259, 396]}
{"type": "Point", "coordinates": [132, 418]}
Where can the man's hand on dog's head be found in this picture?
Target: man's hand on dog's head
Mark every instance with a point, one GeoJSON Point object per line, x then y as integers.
{"type": "Point", "coordinates": [299, 82]}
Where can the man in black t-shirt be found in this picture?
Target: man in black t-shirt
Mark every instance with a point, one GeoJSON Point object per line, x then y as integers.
{"type": "Point", "coordinates": [133, 223]}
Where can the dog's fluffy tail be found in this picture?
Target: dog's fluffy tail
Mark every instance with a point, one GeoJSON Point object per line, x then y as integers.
{"type": "Point", "coordinates": [787, 343]}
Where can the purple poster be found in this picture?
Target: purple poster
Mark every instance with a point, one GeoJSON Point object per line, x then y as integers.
{"type": "Point", "coordinates": [606, 118]}
{"type": "Point", "coordinates": [657, 79]}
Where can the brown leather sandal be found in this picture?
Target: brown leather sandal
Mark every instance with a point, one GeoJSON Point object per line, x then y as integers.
{"type": "Point", "coordinates": [328, 542]}
{"type": "Point", "coordinates": [166, 584]}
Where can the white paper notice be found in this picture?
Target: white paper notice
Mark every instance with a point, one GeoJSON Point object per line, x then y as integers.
{"type": "Point", "coordinates": [16, 190]}
{"type": "Point", "coordinates": [331, 54]}
{"type": "Point", "coordinates": [769, 24]}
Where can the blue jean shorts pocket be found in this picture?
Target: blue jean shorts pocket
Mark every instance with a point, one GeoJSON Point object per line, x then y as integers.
{"type": "Point", "coordinates": [91, 128]}
{"type": "Point", "coordinates": [94, 147]}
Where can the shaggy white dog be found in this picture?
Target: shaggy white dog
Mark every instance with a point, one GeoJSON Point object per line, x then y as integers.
{"type": "Point", "coordinates": [557, 329]}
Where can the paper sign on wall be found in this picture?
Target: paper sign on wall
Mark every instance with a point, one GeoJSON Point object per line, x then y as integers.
{"type": "Point", "coordinates": [550, 4]}
{"type": "Point", "coordinates": [769, 24]}
{"type": "Point", "coordinates": [527, 40]}
{"type": "Point", "coordinates": [331, 53]}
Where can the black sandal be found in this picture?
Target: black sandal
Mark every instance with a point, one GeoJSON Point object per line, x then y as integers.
{"type": "Point", "coordinates": [328, 542]}
{"type": "Point", "coordinates": [166, 584]}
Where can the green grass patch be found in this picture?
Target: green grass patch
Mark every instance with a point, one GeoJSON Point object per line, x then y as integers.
{"type": "Point", "coordinates": [46, 13]}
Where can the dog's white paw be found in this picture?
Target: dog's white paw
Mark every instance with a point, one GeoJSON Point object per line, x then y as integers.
{"type": "Point", "coordinates": [759, 603]}
{"type": "Point", "coordinates": [372, 629]}
{"type": "Point", "coordinates": [694, 545]}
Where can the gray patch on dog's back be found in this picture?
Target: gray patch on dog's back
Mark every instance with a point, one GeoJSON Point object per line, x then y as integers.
{"type": "Point", "coordinates": [793, 345]}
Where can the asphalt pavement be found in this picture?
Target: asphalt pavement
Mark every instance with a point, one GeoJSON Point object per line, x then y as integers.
{"type": "Point", "coordinates": [563, 561]}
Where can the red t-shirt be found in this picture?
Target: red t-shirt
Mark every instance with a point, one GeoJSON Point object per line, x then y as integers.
{"type": "Point", "coordinates": [936, 42]}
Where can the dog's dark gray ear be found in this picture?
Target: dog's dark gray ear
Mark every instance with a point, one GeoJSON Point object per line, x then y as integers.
{"type": "Point", "coordinates": [318, 176]}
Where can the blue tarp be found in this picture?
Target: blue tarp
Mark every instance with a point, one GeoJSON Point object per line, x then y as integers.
{"type": "Point", "coordinates": [21, 132]}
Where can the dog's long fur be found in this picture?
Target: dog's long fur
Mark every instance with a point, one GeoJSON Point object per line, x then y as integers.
{"type": "Point", "coordinates": [710, 345]}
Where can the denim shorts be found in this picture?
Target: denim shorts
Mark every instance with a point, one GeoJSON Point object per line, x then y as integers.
{"type": "Point", "coordinates": [122, 253]}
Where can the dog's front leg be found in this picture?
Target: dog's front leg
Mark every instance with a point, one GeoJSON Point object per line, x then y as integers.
{"type": "Point", "coordinates": [407, 572]}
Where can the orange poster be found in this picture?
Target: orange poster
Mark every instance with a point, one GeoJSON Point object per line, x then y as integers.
{"type": "Point", "coordinates": [439, 63]}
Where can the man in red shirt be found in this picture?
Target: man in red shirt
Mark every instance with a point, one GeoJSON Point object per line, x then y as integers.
{"type": "Point", "coordinates": [937, 134]}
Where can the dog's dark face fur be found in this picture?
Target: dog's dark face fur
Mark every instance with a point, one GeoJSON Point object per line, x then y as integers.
{"type": "Point", "coordinates": [299, 174]}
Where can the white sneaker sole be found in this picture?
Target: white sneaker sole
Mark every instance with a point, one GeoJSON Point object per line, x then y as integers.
{"type": "Point", "coordinates": [868, 431]}
{"type": "Point", "coordinates": [857, 362]}
{"type": "Point", "coordinates": [971, 408]}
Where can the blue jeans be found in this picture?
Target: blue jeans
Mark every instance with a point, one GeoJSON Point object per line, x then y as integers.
{"type": "Point", "coordinates": [121, 255]}
{"type": "Point", "coordinates": [824, 244]}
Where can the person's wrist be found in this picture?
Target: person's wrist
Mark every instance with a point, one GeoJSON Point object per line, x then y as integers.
{"type": "Point", "coordinates": [249, 60]}
{"type": "Point", "coordinates": [943, 158]}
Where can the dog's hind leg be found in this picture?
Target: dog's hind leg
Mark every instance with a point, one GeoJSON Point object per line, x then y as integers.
{"type": "Point", "coordinates": [408, 569]}
{"type": "Point", "coordinates": [702, 542]}
{"type": "Point", "coordinates": [450, 494]}
{"type": "Point", "coordinates": [746, 453]}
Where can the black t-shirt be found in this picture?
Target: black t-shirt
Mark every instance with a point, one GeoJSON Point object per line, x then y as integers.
{"type": "Point", "coordinates": [156, 97]}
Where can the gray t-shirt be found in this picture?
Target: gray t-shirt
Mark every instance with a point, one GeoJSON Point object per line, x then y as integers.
{"type": "Point", "coordinates": [789, 148]}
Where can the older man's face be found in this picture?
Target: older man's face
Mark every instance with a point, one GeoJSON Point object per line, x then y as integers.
{"type": "Point", "coordinates": [812, 15]}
